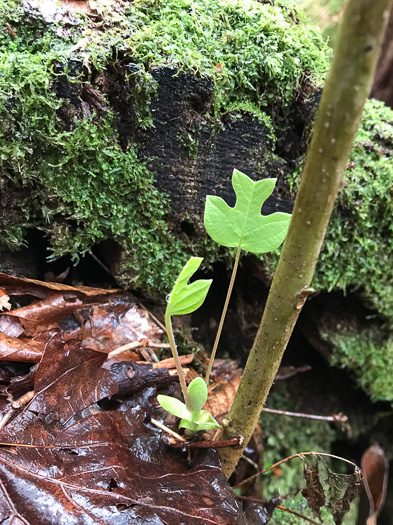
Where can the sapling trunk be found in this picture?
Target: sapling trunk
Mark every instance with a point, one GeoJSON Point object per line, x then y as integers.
{"type": "Point", "coordinates": [344, 95]}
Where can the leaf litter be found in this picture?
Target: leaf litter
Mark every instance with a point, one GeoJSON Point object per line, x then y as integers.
{"type": "Point", "coordinates": [77, 444]}
{"type": "Point", "coordinates": [82, 450]}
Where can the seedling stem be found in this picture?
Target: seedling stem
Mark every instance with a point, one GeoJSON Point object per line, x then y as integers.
{"type": "Point", "coordinates": [182, 379]}
{"type": "Point", "coordinates": [224, 312]}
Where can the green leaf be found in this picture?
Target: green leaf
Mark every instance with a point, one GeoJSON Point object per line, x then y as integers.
{"type": "Point", "coordinates": [244, 225]}
{"type": "Point", "coordinates": [198, 393]}
{"type": "Point", "coordinates": [189, 425]}
{"type": "Point", "coordinates": [174, 406]}
{"type": "Point", "coordinates": [202, 420]}
{"type": "Point", "coordinates": [186, 298]}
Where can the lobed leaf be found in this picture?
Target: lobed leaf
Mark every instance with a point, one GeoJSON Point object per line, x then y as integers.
{"type": "Point", "coordinates": [186, 298]}
{"type": "Point", "coordinates": [244, 225]}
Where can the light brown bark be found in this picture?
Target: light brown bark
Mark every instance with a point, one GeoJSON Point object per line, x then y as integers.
{"type": "Point", "coordinates": [346, 90]}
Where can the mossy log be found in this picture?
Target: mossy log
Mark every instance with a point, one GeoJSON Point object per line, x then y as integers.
{"type": "Point", "coordinates": [116, 120]}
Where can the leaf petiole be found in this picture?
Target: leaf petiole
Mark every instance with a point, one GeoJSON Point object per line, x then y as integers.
{"type": "Point", "coordinates": [224, 312]}
{"type": "Point", "coordinates": [180, 373]}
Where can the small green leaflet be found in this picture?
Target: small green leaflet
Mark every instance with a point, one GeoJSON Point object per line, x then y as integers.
{"type": "Point", "coordinates": [198, 393]}
{"type": "Point", "coordinates": [186, 298]}
{"type": "Point", "coordinates": [244, 225]}
{"type": "Point", "coordinates": [173, 406]}
{"type": "Point", "coordinates": [194, 420]}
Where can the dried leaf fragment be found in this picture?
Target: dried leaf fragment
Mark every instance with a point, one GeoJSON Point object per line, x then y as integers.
{"type": "Point", "coordinates": [4, 300]}
{"type": "Point", "coordinates": [375, 468]}
{"type": "Point", "coordinates": [313, 492]}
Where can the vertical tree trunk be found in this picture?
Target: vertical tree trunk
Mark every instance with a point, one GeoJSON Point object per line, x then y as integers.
{"type": "Point", "coordinates": [346, 90]}
{"type": "Point", "coordinates": [383, 81]}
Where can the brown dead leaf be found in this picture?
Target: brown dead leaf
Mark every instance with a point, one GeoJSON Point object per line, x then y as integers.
{"type": "Point", "coordinates": [342, 505]}
{"type": "Point", "coordinates": [113, 325]}
{"type": "Point", "coordinates": [226, 376]}
{"type": "Point", "coordinates": [105, 319]}
{"type": "Point", "coordinates": [67, 459]}
{"type": "Point", "coordinates": [55, 302]}
{"type": "Point", "coordinates": [4, 300]}
{"type": "Point", "coordinates": [313, 491]}
{"type": "Point", "coordinates": [375, 468]}
{"type": "Point", "coordinates": [20, 349]}
{"type": "Point", "coordinates": [221, 398]}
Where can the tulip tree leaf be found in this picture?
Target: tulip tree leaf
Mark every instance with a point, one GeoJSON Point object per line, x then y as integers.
{"type": "Point", "coordinates": [244, 225]}
{"type": "Point", "coordinates": [198, 393]}
{"type": "Point", "coordinates": [186, 298]}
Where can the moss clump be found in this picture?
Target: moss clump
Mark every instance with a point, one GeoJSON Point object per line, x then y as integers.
{"type": "Point", "coordinates": [66, 171]}
{"type": "Point", "coordinates": [77, 185]}
{"type": "Point", "coordinates": [368, 354]}
{"type": "Point", "coordinates": [359, 242]}
{"type": "Point", "coordinates": [255, 52]}
{"type": "Point", "coordinates": [356, 256]}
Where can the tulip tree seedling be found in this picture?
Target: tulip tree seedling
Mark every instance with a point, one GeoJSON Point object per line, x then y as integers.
{"type": "Point", "coordinates": [184, 299]}
{"type": "Point", "coordinates": [241, 227]}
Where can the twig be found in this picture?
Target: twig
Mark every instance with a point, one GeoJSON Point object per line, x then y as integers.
{"type": "Point", "coordinates": [102, 264]}
{"type": "Point", "coordinates": [157, 321]}
{"type": "Point", "coordinates": [168, 431]}
{"type": "Point", "coordinates": [6, 417]}
{"type": "Point", "coordinates": [233, 442]}
{"type": "Point", "coordinates": [136, 344]}
{"type": "Point", "coordinates": [299, 455]}
{"type": "Point", "coordinates": [23, 400]}
{"type": "Point", "coordinates": [10, 30]}
{"type": "Point", "coordinates": [336, 418]}
{"type": "Point", "coordinates": [170, 362]}
{"type": "Point", "coordinates": [250, 461]}
{"type": "Point", "coordinates": [255, 500]}
{"type": "Point", "coordinates": [298, 514]}
{"type": "Point", "coordinates": [18, 403]}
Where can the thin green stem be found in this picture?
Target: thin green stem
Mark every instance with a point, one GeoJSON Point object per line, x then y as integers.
{"type": "Point", "coordinates": [223, 315]}
{"type": "Point", "coordinates": [180, 373]}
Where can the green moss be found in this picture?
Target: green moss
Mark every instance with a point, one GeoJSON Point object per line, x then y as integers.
{"type": "Point", "coordinates": [356, 256]}
{"type": "Point", "coordinates": [368, 354]}
{"type": "Point", "coordinates": [69, 177]}
{"type": "Point", "coordinates": [359, 241]}
{"type": "Point", "coordinates": [254, 51]}
{"type": "Point", "coordinates": [77, 185]}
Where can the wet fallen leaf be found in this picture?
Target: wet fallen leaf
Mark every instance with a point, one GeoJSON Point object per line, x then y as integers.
{"type": "Point", "coordinates": [4, 300]}
{"type": "Point", "coordinates": [54, 302]}
{"type": "Point", "coordinates": [375, 468]}
{"type": "Point", "coordinates": [104, 319]}
{"type": "Point", "coordinates": [20, 349]}
{"type": "Point", "coordinates": [83, 450]}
